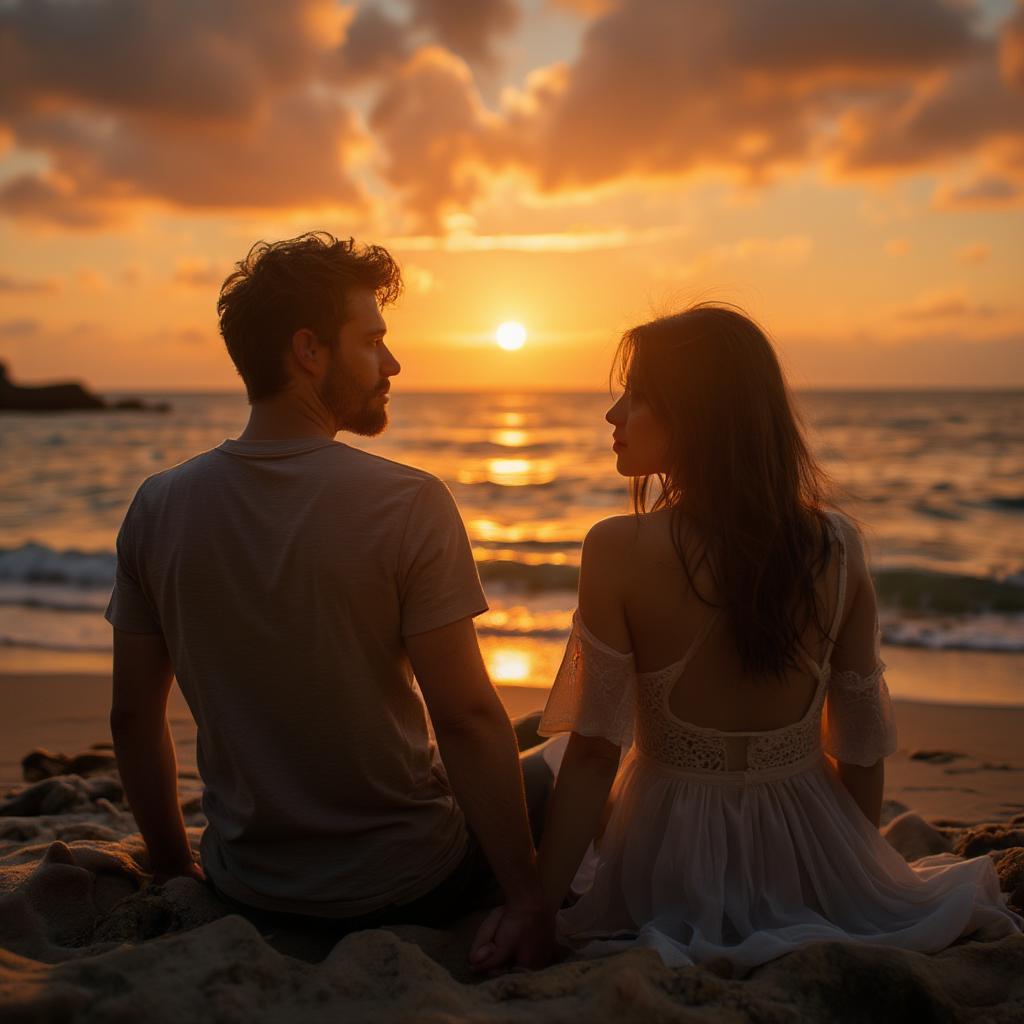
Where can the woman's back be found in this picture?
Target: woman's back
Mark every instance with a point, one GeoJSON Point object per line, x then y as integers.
{"type": "Point", "coordinates": [671, 629]}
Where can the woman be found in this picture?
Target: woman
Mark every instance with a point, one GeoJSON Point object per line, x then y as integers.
{"type": "Point", "coordinates": [727, 637]}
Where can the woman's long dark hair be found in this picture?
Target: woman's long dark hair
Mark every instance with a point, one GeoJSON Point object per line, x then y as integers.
{"type": "Point", "coordinates": [739, 470]}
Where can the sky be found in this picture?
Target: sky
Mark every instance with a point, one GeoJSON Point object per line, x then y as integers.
{"type": "Point", "coordinates": [849, 172]}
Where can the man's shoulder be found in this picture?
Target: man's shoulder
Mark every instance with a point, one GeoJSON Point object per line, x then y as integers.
{"type": "Point", "coordinates": [159, 483]}
{"type": "Point", "coordinates": [385, 469]}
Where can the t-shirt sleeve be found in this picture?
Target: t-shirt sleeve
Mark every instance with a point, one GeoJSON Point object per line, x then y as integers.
{"type": "Point", "coordinates": [130, 609]}
{"type": "Point", "coordinates": [437, 575]}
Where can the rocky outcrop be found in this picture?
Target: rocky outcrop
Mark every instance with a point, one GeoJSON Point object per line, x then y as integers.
{"type": "Point", "coordinates": [64, 398]}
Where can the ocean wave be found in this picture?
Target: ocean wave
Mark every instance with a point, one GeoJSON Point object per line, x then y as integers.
{"type": "Point", "coordinates": [924, 591]}
{"type": "Point", "coordinates": [35, 575]}
{"type": "Point", "coordinates": [37, 563]}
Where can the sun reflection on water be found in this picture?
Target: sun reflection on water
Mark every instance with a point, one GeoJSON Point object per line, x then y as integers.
{"type": "Point", "coordinates": [510, 438]}
{"type": "Point", "coordinates": [509, 664]}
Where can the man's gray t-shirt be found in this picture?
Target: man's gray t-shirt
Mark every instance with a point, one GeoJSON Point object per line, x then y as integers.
{"type": "Point", "coordinates": [284, 576]}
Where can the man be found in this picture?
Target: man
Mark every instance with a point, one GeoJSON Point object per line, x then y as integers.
{"type": "Point", "coordinates": [294, 584]}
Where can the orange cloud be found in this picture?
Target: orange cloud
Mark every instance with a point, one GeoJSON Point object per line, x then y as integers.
{"type": "Point", "coordinates": [440, 141]}
{"type": "Point", "coordinates": [975, 253]}
{"type": "Point", "coordinates": [945, 305]}
{"type": "Point", "coordinates": [198, 273]}
{"type": "Point", "coordinates": [28, 286]}
{"type": "Point", "coordinates": [132, 102]}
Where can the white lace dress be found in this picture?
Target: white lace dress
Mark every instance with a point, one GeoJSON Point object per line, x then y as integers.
{"type": "Point", "coordinates": [701, 860]}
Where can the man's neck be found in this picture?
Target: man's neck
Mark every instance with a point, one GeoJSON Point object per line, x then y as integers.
{"type": "Point", "coordinates": [287, 418]}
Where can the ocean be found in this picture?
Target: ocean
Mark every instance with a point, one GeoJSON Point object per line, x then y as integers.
{"type": "Point", "coordinates": [937, 479]}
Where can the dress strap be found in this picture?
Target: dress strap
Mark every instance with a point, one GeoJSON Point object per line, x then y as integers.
{"type": "Point", "coordinates": [702, 635]}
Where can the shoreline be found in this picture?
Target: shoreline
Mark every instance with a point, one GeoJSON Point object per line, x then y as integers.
{"type": "Point", "coordinates": [974, 770]}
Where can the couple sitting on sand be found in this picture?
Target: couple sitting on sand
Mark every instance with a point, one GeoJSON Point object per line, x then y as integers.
{"type": "Point", "coordinates": [726, 643]}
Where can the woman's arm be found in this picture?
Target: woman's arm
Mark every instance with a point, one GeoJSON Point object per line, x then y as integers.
{"type": "Point", "coordinates": [854, 717]}
{"type": "Point", "coordinates": [577, 807]}
{"type": "Point", "coordinates": [575, 812]}
{"type": "Point", "coordinates": [866, 786]}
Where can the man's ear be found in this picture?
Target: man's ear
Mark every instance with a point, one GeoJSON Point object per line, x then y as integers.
{"type": "Point", "coordinates": [307, 350]}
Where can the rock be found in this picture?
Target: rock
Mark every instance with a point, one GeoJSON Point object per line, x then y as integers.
{"type": "Point", "coordinates": [982, 838]}
{"type": "Point", "coordinates": [44, 764]}
{"type": "Point", "coordinates": [1010, 868]}
{"type": "Point", "coordinates": [62, 398]}
{"type": "Point", "coordinates": [935, 756]}
{"type": "Point", "coordinates": [912, 837]}
{"type": "Point", "coordinates": [60, 794]}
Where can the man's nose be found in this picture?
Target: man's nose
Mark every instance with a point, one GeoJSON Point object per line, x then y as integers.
{"type": "Point", "coordinates": [391, 366]}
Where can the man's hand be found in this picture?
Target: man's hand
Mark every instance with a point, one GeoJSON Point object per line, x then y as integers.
{"type": "Point", "coordinates": [516, 937]}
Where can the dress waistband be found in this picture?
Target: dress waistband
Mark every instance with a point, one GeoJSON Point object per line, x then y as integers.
{"type": "Point", "coordinates": [743, 777]}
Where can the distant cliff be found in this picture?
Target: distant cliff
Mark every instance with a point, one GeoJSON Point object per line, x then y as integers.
{"type": "Point", "coordinates": [63, 398]}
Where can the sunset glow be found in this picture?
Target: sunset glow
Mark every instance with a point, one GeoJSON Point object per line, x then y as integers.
{"type": "Point", "coordinates": [859, 192]}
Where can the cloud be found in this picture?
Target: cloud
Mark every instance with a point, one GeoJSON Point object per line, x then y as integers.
{"type": "Point", "coordinates": [668, 87]}
{"type": "Point", "coordinates": [90, 279]}
{"type": "Point", "coordinates": [12, 285]}
{"type": "Point", "coordinates": [897, 246]}
{"type": "Point", "coordinates": [1011, 49]}
{"type": "Point", "coordinates": [742, 90]}
{"type": "Point", "coordinates": [19, 328]}
{"type": "Point", "coordinates": [985, 192]}
{"type": "Point", "coordinates": [439, 140]}
{"type": "Point", "coordinates": [195, 272]}
{"type": "Point", "coordinates": [418, 280]}
{"type": "Point", "coordinates": [469, 28]}
{"type": "Point", "coordinates": [550, 242]}
{"type": "Point", "coordinates": [131, 102]}
{"type": "Point", "coordinates": [248, 104]}
{"type": "Point", "coordinates": [375, 44]}
{"type": "Point", "coordinates": [945, 305]}
{"type": "Point", "coordinates": [789, 251]}
{"type": "Point", "coordinates": [974, 253]}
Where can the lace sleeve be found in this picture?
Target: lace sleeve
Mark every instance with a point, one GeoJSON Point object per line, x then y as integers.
{"type": "Point", "coordinates": [593, 693]}
{"type": "Point", "coordinates": [859, 724]}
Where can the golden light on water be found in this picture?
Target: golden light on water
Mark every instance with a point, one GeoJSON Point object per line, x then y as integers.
{"type": "Point", "coordinates": [509, 664]}
{"type": "Point", "coordinates": [510, 335]}
{"type": "Point", "coordinates": [520, 472]}
{"type": "Point", "coordinates": [510, 438]}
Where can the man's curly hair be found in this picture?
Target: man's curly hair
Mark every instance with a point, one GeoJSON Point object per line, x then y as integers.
{"type": "Point", "coordinates": [282, 287]}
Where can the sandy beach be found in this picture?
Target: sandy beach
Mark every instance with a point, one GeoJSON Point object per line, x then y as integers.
{"type": "Point", "coordinates": [84, 936]}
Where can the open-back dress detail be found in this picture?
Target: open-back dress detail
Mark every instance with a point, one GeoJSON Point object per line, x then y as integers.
{"type": "Point", "coordinates": [745, 845]}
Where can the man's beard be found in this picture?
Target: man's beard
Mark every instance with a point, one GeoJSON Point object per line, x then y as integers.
{"type": "Point", "coordinates": [357, 411]}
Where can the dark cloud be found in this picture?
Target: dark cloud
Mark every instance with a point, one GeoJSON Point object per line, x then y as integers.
{"type": "Point", "coordinates": [192, 104]}
{"type": "Point", "coordinates": [664, 87]}
{"type": "Point", "coordinates": [375, 44]}
{"type": "Point", "coordinates": [1011, 49]}
{"type": "Point", "coordinates": [469, 28]}
{"type": "Point", "coordinates": [986, 191]}
{"type": "Point", "coordinates": [189, 59]}
{"type": "Point", "coordinates": [957, 112]}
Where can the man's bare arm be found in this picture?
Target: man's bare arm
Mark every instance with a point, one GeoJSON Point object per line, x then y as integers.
{"type": "Point", "coordinates": [478, 746]}
{"type": "Point", "coordinates": [145, 750]}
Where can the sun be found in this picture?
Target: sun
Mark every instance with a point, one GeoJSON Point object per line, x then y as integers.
{"type": "Point", "coordinates": [510, 335]}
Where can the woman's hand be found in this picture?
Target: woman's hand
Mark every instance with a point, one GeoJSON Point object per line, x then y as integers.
{"type": "Point", "coordinates": [519, 937]}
